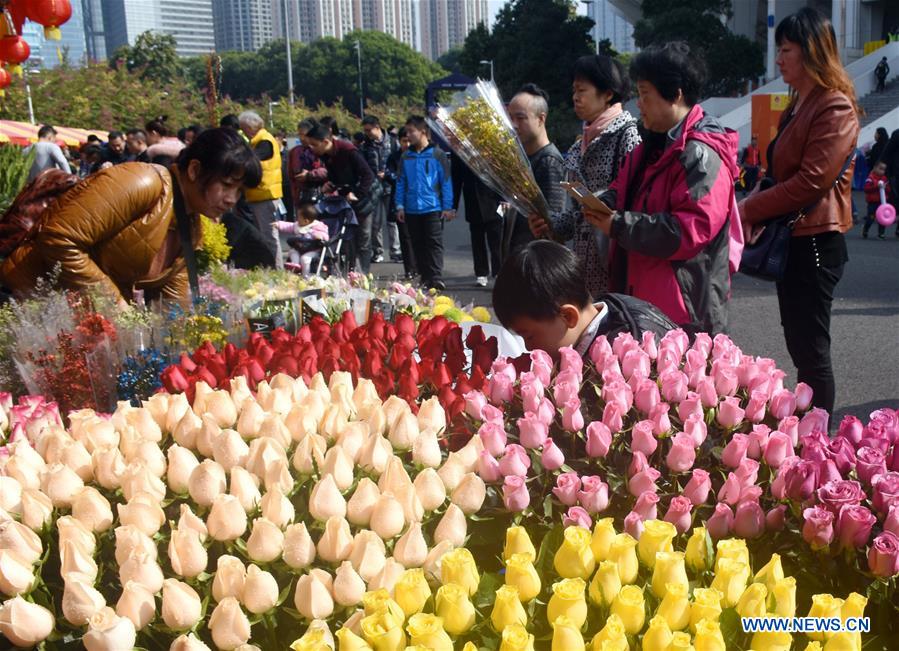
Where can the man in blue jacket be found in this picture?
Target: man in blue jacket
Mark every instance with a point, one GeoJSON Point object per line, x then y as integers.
{"type": "Point", "coordinates": [424, 199]}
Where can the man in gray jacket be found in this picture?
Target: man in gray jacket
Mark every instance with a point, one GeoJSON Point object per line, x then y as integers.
{"type": "Point", "coordinates": [47, 154]}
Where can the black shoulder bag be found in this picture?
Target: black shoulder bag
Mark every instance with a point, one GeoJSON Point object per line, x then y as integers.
{"type": "Point", "coordinates": [186, 237]}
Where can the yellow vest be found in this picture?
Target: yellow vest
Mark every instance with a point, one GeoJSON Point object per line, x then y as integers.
{"type": "Point", "coordinates": [270, 187]}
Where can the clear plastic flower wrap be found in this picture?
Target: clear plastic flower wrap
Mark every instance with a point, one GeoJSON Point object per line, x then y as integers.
{"type": "Point", "coordinates": [478, 130]}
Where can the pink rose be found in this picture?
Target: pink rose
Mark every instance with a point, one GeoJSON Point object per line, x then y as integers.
{"type": "Point", "coordinates": [755, 408]}
{"type": "Point", "coordinates": [492, 414]}
{"type": "Point", "coordinates": [834, 495]}
{"type": "Point", "coordinates": [779, 485]}
{"type": "Point", "coordinates": [633, 525]}
{"type": "Point", "coordinates": [647, 506]}
{"type": "Point", "coordinates": [571, 360]}
{"type": "Point", "coordinates": [747, 371]}
{"type": "Point", "coordinates": [599, 439]}
{"type": "Point", "coordinates": [661, 423]}
{"type": "Point", "coordinates": [564, 392]}
{"type": "Point", "coordinates": [790, 427]}
{"type": "Point", "coordinates": [613, 417]}
{"type": "Point", "coordinates": [758, 439]}
{"type": "Point", "coordinates": [804, 396]}
{"type": "Point", "coordinates": [635, 363]}
{"type": "Point", "coordinates": [725, 381]}
{"type": "Point", "coordinates": [488, 467]}
{"type": "Point", "coordinates": [883, 556]}
{"type": "Point", "coordinates": [594, 494]}
{"type": "Point", "coordinates": [679, 513]}
{"type": "Point", "coordinates": [501, 389]}
{"type": "Point", "coordinates": [532, 431]}
{"type": "Point", "coordinates": [567, 486]}
{"type": "Point", "coordinates": [851, 429]}
{"type": "Point", "coordinates": [783, 404]}
{"type": "Point", "coordinates": [775, 519]}
{"type": "Point", "coordinates": [531, 395]}
{"type": "Point", "coordinates": [747, 472]}
{"type": "Point", "coordinates": [721, 523]}
{"type": "Point", "coordinates": [624, 341]}
{"type": "Point", "coordinates": [817, 528]}
{"type": "Point", "coordinates": [648, 344]}
{"type": "Point", "coordinates": [885, 491]}
{"type": "Point", "coordinates": [698, 488]}
{"type": "Point", "coordinates": [493, 436]}
{"type": "Point", "coordinates": [515, 461]}
{"type": "Point", "coordinates": [682, 454]}
{"type": "Point", "coordinates": [730, 490]}
{"type": "Point", "coordinates": [749, 520]}
{"type": "Point", "coordinates": [891, 522]}
{"type": "Point", "coordinates": [646, 397]}
{"type": "Point", "coordinates": [884, 424]}
{"type": "Point", "coordinates": [618, 391]}
{"type": "Point", "coordinates": [638, 463]}
{"type": "Point", "coordinates": [695, 426]}
{"type": "Point", "coordinates": [551, 458]}
{"type": "Point", "coordinates": [515, 493]}
{"type": "Point", "coordinates": [893, 463]}
{"type": "Point", "coordinates": [502, 366]}
{"type": "Point", "coordinates": [600, 351]}
{"type": "Point", "coordinates": [827, 471]}
{"type": "Point", "coordinates": [854, 524]}
{"type": "Point", "coordinates": [730, 414]}
{"type": "Point", "coordinates": [779, 447]}
{"type": "Point", "coordinates": [801, 480]}
{"type": "Point", "coordinates": [870, 462]}
{"type": "Point", "coordinates": [577, 517]}
{"type": "Point", "coordinates": [702, 344]}
{"type": "Point", "coordinates": [690, 405]}
{"type": "Point", "coordinates": [674, 385]}
{"type": "Point", "coordinates": [474, 403]}
{"type": "Point", "coordinates": [542, 366]}
{"type": "Point", "coordinates": [642, 439]}
{"type": "Point", "coordinates": [572, 418]}
{"type": "Point", "coordinates": [643, 481]}
{"type": "Point", "coordinates": [547, 412]}
{"type": "Point", "coordinates": [814, 421]}
{"type": "Point", "coordinates": [694, 363]}
{"type": "Point", "coordinates": [735, 451]}
{"type": "Point", "coordinates": [707, 394]}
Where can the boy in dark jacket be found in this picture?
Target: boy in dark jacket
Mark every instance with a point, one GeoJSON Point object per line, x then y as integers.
{"type": "Point", "coordinates": [872, 197]}
{"type": "Point", "coordinates": [424, 199]}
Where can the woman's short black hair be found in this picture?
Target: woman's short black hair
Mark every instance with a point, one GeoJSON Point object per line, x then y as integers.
{"type": "Point", "coordinates": [320, 132]}
{"type": "Point", "coordinates": [881, 134]}
{"type": "Point", "coordinates": [222, 154]}
{"type": "Point", "coordinates": [671, 67]}
{"type": "Point", "coordinates": [606, 73]}
{"type": "Point", "coordinates": [537, 280]}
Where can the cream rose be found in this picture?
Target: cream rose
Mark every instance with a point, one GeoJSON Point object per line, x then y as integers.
{"type": "Point", "coordinates": [190, 642]}
{"type": "Point", "coordinates": [229, 625]}
{"type": "Point", "coordinates": [230, 578]}
{"type": "Point", "coordinates": [404, 431]}
{"type": "Point", "coordinates": [109, 466]}
{"type": "Point", "coordinates": [137, 478]}
{"type": "Point", "coordinates": [229, 449]}
{"type": "Point", "coordinates": [411, 549]}
{"type": "Point", "coordinates": [15, 537]}
{"type": "Point", "coordinates": [92, 509]}
{"type": "Point", "coordinates": [260, 593]}
{"type": "Point", "coordinates": [150, 454]}
{"type": "Point", "coordinates": [189, 520]}
{"type": "Point", "coordinates": [141, 568]}
{"type": "Point", "coordinates": [181, 464]}
{"type": "Point", "coordinates": [375, 453]}
{"type": "Point", "coordinates": [59, 482]}
{"type": "Point", "coordinates": [299, 550]}
{"type": "Point", "coordinates": [313, 598]}
{"type": "Point", "coordinates": [277, 508]}
{"type": "Point", "coordinates": [266, 541]}
{"type": "Point", "coordinates": [426, 449]}
{"type": "Point", "coordinates": [368, 555]}
{"type": "Point", "coordinates": [144, 512]}
{"type": "Point", "coordinates": [263, 453]}
{"type": "Point", "coordinates": [74, 561]}
{"type": "Point", "coordinates": [80, 602]}
{"type": "Point", "coordinates": [206, 482]}
{"type": "Point", "coordinates": [37, 509]}
{"type": "Point", "coordinates": [251, 417]}
{"type": "Point", "coordinates": [387, 577]}
{"type": "Point", "coordinates": [361, 504]}
{"type": "Point", "coordinates": [129, 539]}
{"type": "Point", "coordinates": [348, 585]}
{"type": "Point", "coordinates": [109, 632]}
{"type": "Point", "coordinates": [326, 501]}
{"type": "Point", "coordinates": [227, 520]}
{"type": "Point", "coordinates": [469, 495]}
{"type": "Point", "coordinates": [181, 605]}
{"type": "Point", "coordinates": [430, 489]}
{"type": "Point", "coordinates": [16, 576]}
{"type": "Point", "coordinates": [25, 624]}
{"type": "Point", "coordinates": [76, 457]}
{"type": "Point", "coordinates": [187, 429]}
{"type": "Point", "coordinates": [220, 407]}
{"type": "Point", "coordinates": [137, 604]}
{"type": "Point", "coordinates": [339, 465]}
{"type": "Point", "coordinates": [336, 542]}
{"type": "Point", "coordinates": [186, 553]}
{"type": "Point", "coordinates": [452, 471]}
{"type": "Point", "coordinates": [245, 487]}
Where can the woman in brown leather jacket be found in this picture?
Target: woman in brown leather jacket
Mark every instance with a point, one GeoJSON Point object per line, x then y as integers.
{"type": "Point", "coordinates": [816, 136]}
{"type": "Point", "coordinates": [117, 229]}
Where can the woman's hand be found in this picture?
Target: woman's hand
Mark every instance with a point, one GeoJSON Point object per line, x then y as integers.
{"type": "Point", "coordinates": [539, 226]}
{"type": "Point", "coordinates": [601, 220]}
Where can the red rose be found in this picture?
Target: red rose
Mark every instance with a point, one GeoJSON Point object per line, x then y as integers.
{"type": "Point", "coordinates": [280, 336]}
{"type": "Point", "coordinates": [256, 372]}
{"type": "Point", "coordinates": [173, 379]}
{"type": "Point", "coordinates": [455, 353]}
{"type": "Point", "coordinates": [463, 385]}
{"type": "Point", "coordinates": [398, 356]}
{"type": "Point", "coordinates": [408, 389]}
{"type": "Point", "coordinates": [286, 364]}
{"type": "Point", "coordinates": [475, 337]}
{"type": "Point", "coordinates": [216, 366]}
{"type": "Point", "coordinates": [404, 324]}
{"type": "Point", "coordinates": [442, 378]}
{"type": "Point", "coordinates": [339, 332]}
{"type": "Point", "coordinates": [187, 364]}
{"type": "Point", "coordinates": [204, 374]}
{"type": "Point", "coordinates": [231, 355]}
{"type": "Point", "coordinates": [373, 365]}
{"type": "Point", "coordinates": [303, 335]}
{"type": "Point", "coordinates": [478, 378]}
{"type": "Point", "coordinates": [348, 319]}
{"type": "Point", "coordinates": [390, 333]}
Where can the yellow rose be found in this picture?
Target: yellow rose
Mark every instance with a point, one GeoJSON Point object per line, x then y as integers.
{"type": "Point", "coordinates": [521, 573]}
{"type": "Point", "coordinates": [854, 606]}
{"type": "Point", "coordinates": [441, 308]}
{"type": "Point", "coordinates": [785, 597]}
{"type": "Point", "coordinates": [574, 558]}
{"type": "Point", "coordinates": [605, 585]}
{"type": "Point", "coordinates": [455, 608]}
{"type": "Point", "coordinates": [658, 635]}
{"type": "Point", "coordinates": [568, 600]}
{"type": "Point", "coordinates": [412, 591]}
{"type": "Point", "coordinates": [443, 299]}
{"type": "Point", "coordinates": [507, 609]}
{"type": "Point", "coordinates": [377, 601]}
{"type": "Point", "coordinates": [699, 550]}
{"type": "Point", "coordinates": [316, 639]}
{"type": "Point", "coordinates": [734, 549]}
{"type": "Point", "coordinates": [469, 646]}
{"type": "Point", "coordinates": [844, 641]}
{"type": "Point", "coordinates": [629, 606]}
{"type": "Point", "coordinates": [706, 605]}
{"type": "Point", "coordinates": [603, 533]}
{"type": "Point", "coordinates": [516, 638]}
{"type": "Point", "coordinates": [669, 568]}
{"type": "Point", "coordinates": [675, 607]}
{"type": "Point", "coordinates": [824, 605]}
{"type": "Point", "coordinates": [769, 641]}
{"type": "Point", "coordinates": [623, 552]}
{"type": "Point", "coordinates": [730, 580]}
{"type": "Point", "coordinates": [613, 632]}
{"type": "Point", "coordinates": [567, 635]}
{"type": "Point", "coordinates": [481, 314]}
{"type": "Point", "coordinates": [427, 631]}
{"type": "Point", "coordinates": [753, 601]}
{"type": "Point", "coordinates": [518, 542]}
{"type": "Point", "coordinates": [708, 636]}
{"type": "Point", "coordinates": [770, 574]}
{"type": "Point", "coordinates": [657, 536]}
{"type": "Point", "coordinates": [349, 641]}
{"type": "Point", "coordinates": [384, 631]}
{"type": "Point", "coordinates": [681, 642]}
{"type": "Point", "coordinates": [458, 566]}
{"type": "Point", "coordinates": [813, 646]}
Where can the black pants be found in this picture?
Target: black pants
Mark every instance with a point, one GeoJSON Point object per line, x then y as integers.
{"type": "Point", "coordinates": [870, 218]}
{"type": "Point", "coordinates": [881, 84]}
{"type": "Point", "coordinates": [486, 237]}
{"type": "Point", "coordinates": [814, 267]}
{"type": "Point", "coordinates": [426, 232]}
{"type": "Point", "coordinates": [409, 264]}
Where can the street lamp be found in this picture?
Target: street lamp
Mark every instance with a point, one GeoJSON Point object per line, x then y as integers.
{"type": "Point", "coordinates": [589, 4]}
{"type": "Point", "coordinates": [28, 92]}
{"type": "Point", "coordinates": [290, 96]}
{"type": "Point", "coordinates": [358, 47]}
{"type": "Point", "coordinates": [271, 115]}
{"type": "Point", "coordinates": [486, 62]}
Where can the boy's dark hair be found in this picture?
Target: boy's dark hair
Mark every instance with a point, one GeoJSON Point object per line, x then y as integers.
{"type": "Point", "coordinates": [230, 121]}
{"type": "Point", "coordinates": [329, 122]}
{"type": "Point", "coordinates": [45, 131]}
{"type": "Point", "coordinates": [306, 125]}
{"type": "Point", "coordinates": [537, 280]}
{"type": "Point", "coordinates": [606, 74]}
{"type": "Point", "coordinates": [671, 67]}
{"type": "Point", "coordinates": [115, 135]}
{"type": "Point", "coordinates": [372, 120]}
{"type": "Point", "coordinates": [94, 138]}
{"type": "Point", "coordinates": [140, 134]}
{"type": "Point", "coordinates": [319, 132]}
{"type": "Point", "coordinates": [418, 122]}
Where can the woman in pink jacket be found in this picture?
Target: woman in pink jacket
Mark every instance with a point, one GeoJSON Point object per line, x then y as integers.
{"type": "Point", "coordinates": [672, 219]}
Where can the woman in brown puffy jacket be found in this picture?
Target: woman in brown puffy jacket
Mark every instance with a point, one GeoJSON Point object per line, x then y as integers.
{"type": "Point", "coordinates": [117, 230]}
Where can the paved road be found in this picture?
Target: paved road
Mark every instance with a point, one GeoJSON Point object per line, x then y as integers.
{"type": "Point", "coordinates": [865, 316]}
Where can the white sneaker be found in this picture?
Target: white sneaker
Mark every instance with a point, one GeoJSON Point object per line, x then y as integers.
{"type": "Point", "coordinates": [481, 281]}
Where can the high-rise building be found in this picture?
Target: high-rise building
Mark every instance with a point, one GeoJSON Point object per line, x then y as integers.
{"type": "Point", "coordinates": [308, 20]}
{"type": "Point", "coordinates": [244, 25]}
{"type": "Point", "coordinates": [189, 21]}
{"type": "Point", "coordinates": [71, 47]}
{"type": "Point", "coordinates": [611, 24]}
{"type": "Point", "coordinates": [446, 23]}
{"type": "Point", "coordinates": [94, 34]}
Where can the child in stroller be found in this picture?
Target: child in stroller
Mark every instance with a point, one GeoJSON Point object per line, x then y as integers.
{"type": "Point", "coordinates": [323, 232]}
{"type": "Point", "coordinates": [306, 236]}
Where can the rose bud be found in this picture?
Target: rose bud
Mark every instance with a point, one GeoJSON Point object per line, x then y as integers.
{"type": "Point", "coordinates": [181, 605]}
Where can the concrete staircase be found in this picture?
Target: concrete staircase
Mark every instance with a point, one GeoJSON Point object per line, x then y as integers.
{"type": "Point", "coordinates": [879, 104]}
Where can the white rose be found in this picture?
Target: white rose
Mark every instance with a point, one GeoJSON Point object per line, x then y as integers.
{"type": "Point", "coordinates": [275, 400]}
{"type": "Point", "coordinates": [469, 495]}
{"type": "Point", "coordinates": [144, 512]}
{"type": "Point", "coordinates": [206, 435]}
{"type": "Point", "coordinates": [109, 632]}
{"type": "Point", "coordinates": [229, 625]}
{"type": "Point", "coordinates": [240, 390]}
{"type": "Point", "coordinates": [229, 449]}
{"type": "Point", "coordinates": [150, 454]}
{"type": "Point", "coordinates": [181, 464]}
{"type": "Point", "coordinates": [453, 527]}
{"type": "Point", "coordinates": [299, 550]}
{"type": "Point", "coordinates": [186, 553]}
{"type": "Point", "coordinates": [25, 624]}
{"type": "Point", "coordinates": [278, 474]}
{"type": "Point", "coordinates": [376, 420]}
{"type": "Point", "coordinates": [339, 465]}
{"type": "Point", "coordinates": [51, 444]}
{"type": "Point", "coordinates": [348, 585]}
{"type": "Point", "coordinates": [336, 542]}
{"type": "Point", "coordinates": [181, 605]}
{"type": "Point", "coordinates": [189, 642]}
{"type": "Point", "coordinates": [69, 528]}
{"type": "Point", "coordinates": [362, 503]}
{"type": "Point", "coordinates": [263, 453]}
{"type": "Point", "coordinates": [326, 501]}
{"type": "Point", "coordinates": [158, 406]}
{"type": "Point", "coordinates": [227, 520]}
{"type": "Point", "coordinates": [352, 438]}
{"type": "Point", "coordinates": [430, 489]}
{"type": "Point", "coordinates": [141, 567]}
{"type": "Point", "coordinates": [413, 511]}
{"type": "Point", "coordinates": [16, 576]}
{"type": "Point", "coordinates": [368, 555]}
{"type": "Point", "coordinates": [313, 598]}
{"type": "Point", "coordinates": [142, 420]}
{"type": "Point", "coordinates": [295, 386]}
{"type": "Point", "coordinates": [387, 518]}
{"type": "Point", "coordinates": [109, 466]}
{"type": "Point", "coordinates": [130, 539]}
{"type": "Point", "coordinates": [273, 427]}
{"type": "Point", "coordinates": [260, 592]}
{"type": "Point", "coordinates": [178, 408]}
{"type": "Point", "coordinates": [431, 415]}
{"type": "Point", "coordinates": [276, 508]}
{"type": "Point", "coordinates": [80, 602]}
{"type": "Point", "coordinates": [92, 509]}
{"type": "Point", "coordinates": [404, 431]}
{"type": "Point", "coordinates": [37, 509]}
{"type": "Point", "coordinates": [300, 422]}
{"type": "Point", "coordinates": [387, 576]}
{"type": "Point", "coordinates": [201, 391]}
{"type": "Point", "coordinates": [15, 537]}
{"type": "Point", "coordinates": [190, 520]}
{"type": "Point", "coordinates": [245, 487]}
{"type": "Point", "coordinates": [95, 432]}
{"type": "Point", "coordinates": [310, 454]}
{"type": "Point", "coordinates": [333, 422]}
{"type": "Point", "coordinates": [59, 482]}
{"type": "Point", "coordinates": [230, 577]}
{"type": "Point", "coordinates": [137, 604]}
{"type": "Point", "coordinates": [411, 549]}
{"type": "Point", "coordinates": [220, 406]}
{"type": "Point", "coordinates": [266, 541]}
{"type": "Point", "coordinates": [426, 449]}
{"type": "Point", "coordinates": [21, 467]}
{"type": "Point", "coordinates": [469, 453]}
{"type": "Point", "coordinates": [206, 482]}
{"type": "Point", "coordinates": [75, 456]}
{"type": "Point", "coordinates": [73, 560]}
{"type": "Point", "coordinates": [452, 471]}
{"type": "Point", "coordinates": [365, 392]}
{"type": "Point", "coordinates": [187, 429]}
{"type": "Point", "coordinates": [432, 562]}
{"type": "Point", "coordinates": [375, 453]}
{"type": "Point", "coordinates": [251, 417]}
{"type": "Point", "coordinates": [394, 479]}
{"type": "Point", "coordinates": [137, 479]}
{"type": "Point", "coordinates": [394, 407]}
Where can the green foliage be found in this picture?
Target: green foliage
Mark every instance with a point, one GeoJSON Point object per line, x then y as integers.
{"type": "Point", "coordinates": [731, 60]}
{"type": "Point", "coordinates": [153, 56]}
{"type": "Point", "coordinates": [14, 168]}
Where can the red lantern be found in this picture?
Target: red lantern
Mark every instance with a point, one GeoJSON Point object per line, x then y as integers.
{"type": "Point", "coordinates": [51, 14]}
{"type": "Point", "coordinates": [14, 50]}
{"type": "Point", "coordinates": [18, 11]}
{"type": "Point", "coordinates": [5, 80]}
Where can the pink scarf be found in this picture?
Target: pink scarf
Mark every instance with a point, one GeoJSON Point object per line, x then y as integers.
{"type": "Point", "coordinates": [599, 124]}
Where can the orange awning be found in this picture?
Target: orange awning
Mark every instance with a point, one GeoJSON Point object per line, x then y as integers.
{"type": "Point", "coordinates": [23, 133]}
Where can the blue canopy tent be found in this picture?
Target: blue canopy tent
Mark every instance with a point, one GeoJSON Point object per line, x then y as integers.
{"type": "Point", "coordinates": [455, 81]}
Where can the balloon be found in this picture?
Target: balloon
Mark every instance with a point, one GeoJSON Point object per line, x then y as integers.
{"type": "Point", "coordinates": [885, 214]}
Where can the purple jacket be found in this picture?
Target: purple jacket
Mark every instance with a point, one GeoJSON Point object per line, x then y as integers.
{"type": "Point", "coordinates": [681, 229]}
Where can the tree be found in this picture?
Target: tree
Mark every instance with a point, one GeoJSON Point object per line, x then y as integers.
{"type": "Point", "coordinates": [731, 60]}
{"type": "Point", "coordinates": [449, 60]}
{"type": "Point", "coordinates": [153, 56]}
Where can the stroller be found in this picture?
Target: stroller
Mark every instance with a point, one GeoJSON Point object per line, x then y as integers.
{"type": "Point", "coordinates": [336, 253]}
